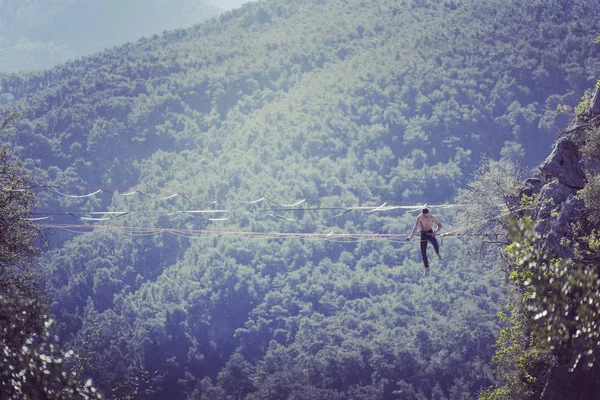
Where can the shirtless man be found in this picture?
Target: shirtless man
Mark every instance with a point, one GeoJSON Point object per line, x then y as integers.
{"type": "Point", "coordinates": [425, 221]}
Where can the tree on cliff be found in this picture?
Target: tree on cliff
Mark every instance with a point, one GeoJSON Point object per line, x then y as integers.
{"type": "Point", "coordinates": [550, 348]}
{"type": "Point", "coordinates": [31, 365]}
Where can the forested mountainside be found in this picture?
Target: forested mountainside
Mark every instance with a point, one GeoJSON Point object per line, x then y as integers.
{"type": "Point", "coordinates": [341, 104]}
{"type": "Point", "coordinates": [39, 34]}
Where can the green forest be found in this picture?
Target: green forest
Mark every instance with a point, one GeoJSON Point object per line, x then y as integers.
{"type": "Point", "coordinates": [221, 211]}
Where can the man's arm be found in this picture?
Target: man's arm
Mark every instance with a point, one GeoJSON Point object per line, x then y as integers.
{"type": "Point", "coordinates": [414, 230]}
{"type": "Point", "coordinates": [438, 223]}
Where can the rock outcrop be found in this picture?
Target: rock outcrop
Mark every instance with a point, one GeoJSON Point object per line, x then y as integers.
{"type": "Point", "coordinates": [558, 209]}
{"type": "Point", "coordinates": [562, 175]}
{"type": "Point", "coordinates": [564, 163]}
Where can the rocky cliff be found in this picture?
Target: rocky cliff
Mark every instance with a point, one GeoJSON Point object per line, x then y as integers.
{"type": "Point", "coordinates": [561, 211]}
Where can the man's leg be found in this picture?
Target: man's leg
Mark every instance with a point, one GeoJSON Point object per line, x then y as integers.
{"type": "Point", "coordinates": [436, 246]}
{"type": "Point", "coordinates": [424, 253]}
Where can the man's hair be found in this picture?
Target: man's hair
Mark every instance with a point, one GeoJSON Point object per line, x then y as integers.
{"type": "Point", "coordinates": [425, 211]}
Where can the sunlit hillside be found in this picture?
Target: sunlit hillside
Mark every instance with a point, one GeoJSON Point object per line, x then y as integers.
{"type": "Point", "coordinates": [226, 206]}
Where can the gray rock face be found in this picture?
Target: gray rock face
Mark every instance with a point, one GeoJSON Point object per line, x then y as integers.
{"type": "Point", "coordinates": [555, 229]}
{"type": "Point", "coordinates": [558, 210]}
{"type": "Point", "coordinates": [552, 196]}
{"type": "Point", "coordinates": [563, 164]}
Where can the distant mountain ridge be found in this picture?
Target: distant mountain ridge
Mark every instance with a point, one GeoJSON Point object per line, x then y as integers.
{"type": "Point", "coordinates": [435, 98]}
{"type": "Point", "coordinates": [43, 33]}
